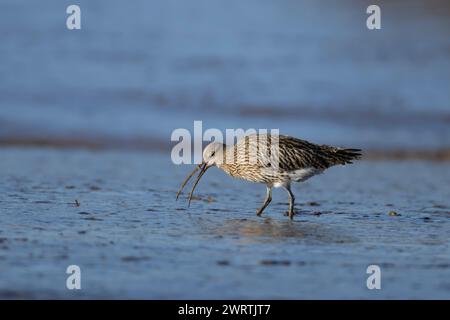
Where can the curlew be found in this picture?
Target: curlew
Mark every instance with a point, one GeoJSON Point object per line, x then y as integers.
{"type": "Point", "coordinates": [274, 160]}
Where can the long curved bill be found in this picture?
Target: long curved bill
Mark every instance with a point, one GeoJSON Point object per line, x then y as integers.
{"type": "Point", "coordinates": [203, 169]}
{"type": "Point", "coordinates": [186, 180]}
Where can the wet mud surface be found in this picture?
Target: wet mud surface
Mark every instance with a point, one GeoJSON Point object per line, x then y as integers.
{"type": "Point", "coordinates": [114, 214]}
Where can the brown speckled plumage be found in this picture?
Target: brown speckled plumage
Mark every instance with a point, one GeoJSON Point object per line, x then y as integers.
{"type": "Point", "coordinates": [294, 154]}
{"type": "Point", "coordinates": [274, 160]}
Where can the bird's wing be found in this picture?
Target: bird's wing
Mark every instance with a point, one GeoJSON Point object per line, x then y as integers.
{"type": "Point", "coordinates": [289, 153]}
{"type": "Point", "coordinates": [298, 154]}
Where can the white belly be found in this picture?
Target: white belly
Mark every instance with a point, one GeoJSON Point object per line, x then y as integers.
{"type": "Point", "coordinates": [285, 178]}
{"type": "Point", "coordinates": [303, 174]}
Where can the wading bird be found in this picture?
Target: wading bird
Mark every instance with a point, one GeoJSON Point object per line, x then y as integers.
{"type": "Point", "coordinates": [274, 160]}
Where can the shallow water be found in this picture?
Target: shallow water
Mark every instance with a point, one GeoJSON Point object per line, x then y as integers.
{"type": "Point", "coordinates": [133, 240]}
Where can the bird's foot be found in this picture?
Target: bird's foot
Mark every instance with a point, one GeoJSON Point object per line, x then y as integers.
{"type": "Point", "coordinates": [259, 213]}
{"type": "Point", "coordinates": [290, 214]}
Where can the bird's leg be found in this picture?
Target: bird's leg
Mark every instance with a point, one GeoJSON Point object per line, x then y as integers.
{"type": "Point", "coordinates": [266, 201]}
{"type": "Point", "coordinates": [291, 201]}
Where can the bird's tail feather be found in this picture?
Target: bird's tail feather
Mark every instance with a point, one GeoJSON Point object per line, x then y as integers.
{"type": "Point", "coordinates": [343, 156]}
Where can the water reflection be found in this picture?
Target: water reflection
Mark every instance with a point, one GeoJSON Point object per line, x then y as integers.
{"type": "Point", "coordinates": [271, 230]}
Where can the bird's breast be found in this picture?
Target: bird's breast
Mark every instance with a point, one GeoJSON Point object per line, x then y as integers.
{"type": "Point", "coordinates": [244, 171]}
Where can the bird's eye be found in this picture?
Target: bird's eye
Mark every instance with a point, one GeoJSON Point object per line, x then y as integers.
{"type": "Point", "coordinates": [212, 154]}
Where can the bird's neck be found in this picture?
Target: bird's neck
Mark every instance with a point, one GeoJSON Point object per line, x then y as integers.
{"type": "Point", "coordinates": [229, 159]}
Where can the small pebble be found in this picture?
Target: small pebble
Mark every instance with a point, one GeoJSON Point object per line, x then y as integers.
{"type": "Point", "coordinates": [134, 258]}
{"type": "Point", "coordinates": [92, 219]}
{"type": "Point", "coordinates": [275, 262]}
{"type": "Point", "coordinates": [393, 214]}
{"type": "Point", "coordinates": [223, 263]}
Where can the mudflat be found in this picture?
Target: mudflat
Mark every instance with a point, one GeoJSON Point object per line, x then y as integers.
{"type": "Point", "coordinates": [114, 214]}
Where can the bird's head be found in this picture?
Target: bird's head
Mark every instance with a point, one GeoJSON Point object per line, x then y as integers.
{"type": "Point", "coordinates": [212, 156]}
